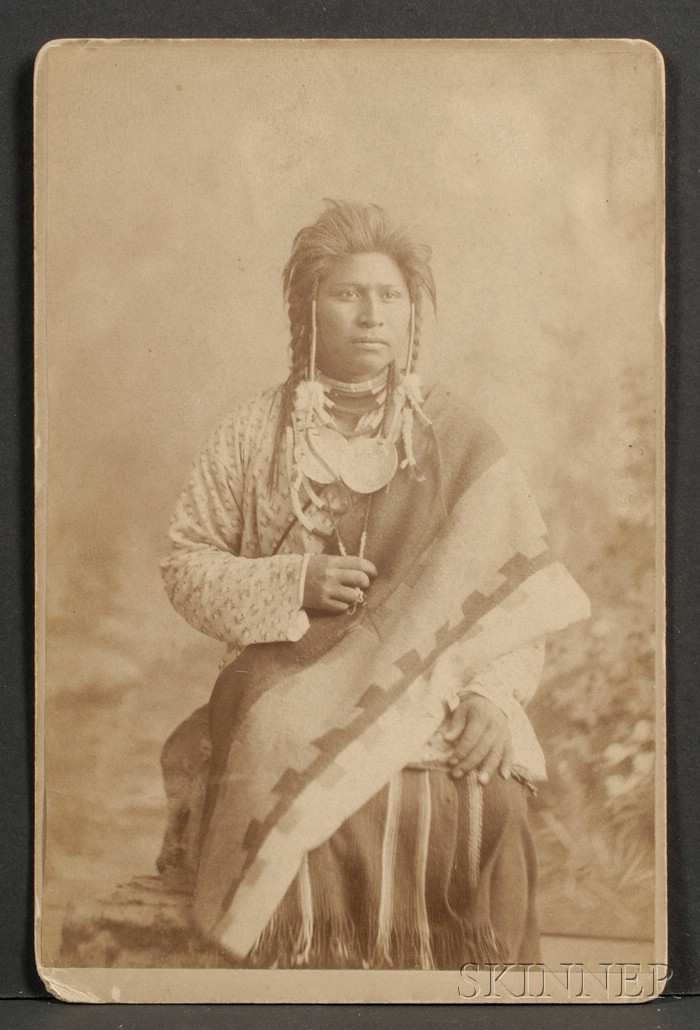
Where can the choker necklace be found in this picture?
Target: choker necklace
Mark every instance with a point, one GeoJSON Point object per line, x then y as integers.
{"type": "Point", "coordinates": [374, 385]}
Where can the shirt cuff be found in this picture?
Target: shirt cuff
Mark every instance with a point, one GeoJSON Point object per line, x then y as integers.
{"type": "Point", "coordinates": [298, 625]}
{"type": "Point", "coordinates": [510, 680]}
{"type": "Point", "coordinates": [299, 622]}
{"type": "Point", "coordinates": [501, 698]}
{"type": "Point", "coordinates": [302, 578]}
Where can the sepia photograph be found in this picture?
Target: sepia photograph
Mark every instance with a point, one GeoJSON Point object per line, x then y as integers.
{"type": "Point", "coordinates": [349, 375]}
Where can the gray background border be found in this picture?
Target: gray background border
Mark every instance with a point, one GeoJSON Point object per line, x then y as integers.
{"type": "Point", "coordinates": [24, 27]}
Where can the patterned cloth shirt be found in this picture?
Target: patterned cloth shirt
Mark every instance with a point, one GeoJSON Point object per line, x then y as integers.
{"type": "Point", "coordinates": [237, 559]}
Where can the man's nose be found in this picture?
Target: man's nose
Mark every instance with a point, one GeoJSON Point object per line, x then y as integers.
{"type": "Point", "coordinates": [370, 312]}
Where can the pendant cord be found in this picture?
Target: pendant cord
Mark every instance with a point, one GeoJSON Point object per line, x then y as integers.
{"type": "Point", "coordinates": [363, 536]}
{"type": "Point", "coordinates": [361, 596]}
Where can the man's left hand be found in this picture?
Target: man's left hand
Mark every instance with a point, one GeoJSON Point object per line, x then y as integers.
{"type": "Point", "coordinates": [481, 734]}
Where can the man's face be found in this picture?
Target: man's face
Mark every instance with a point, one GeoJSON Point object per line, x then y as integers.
{"type": "Point", "coordinates": [363, 312]}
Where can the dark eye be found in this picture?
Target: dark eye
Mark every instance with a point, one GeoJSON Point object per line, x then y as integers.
{"type": "Point", "coordinates": [391, 295]}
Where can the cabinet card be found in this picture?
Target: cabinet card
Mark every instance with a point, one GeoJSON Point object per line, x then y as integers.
{"type": "Point", "coordinates": [350, 520]}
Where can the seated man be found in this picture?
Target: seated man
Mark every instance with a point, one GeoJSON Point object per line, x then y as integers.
{"type": "Point", "coordinates": [377, 567]}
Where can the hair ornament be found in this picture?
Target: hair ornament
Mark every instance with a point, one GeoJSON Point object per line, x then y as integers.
{"type": "Point", "coordinates": [410, 392]}
{"type": "Point", "coordinates": [411, 340]}
{"type": "Point", "coordinates": [312, 348]}
{"type": "Point", "coordinates": [296, 480]}
{"type": "Point", "coordinates": [310, 405]}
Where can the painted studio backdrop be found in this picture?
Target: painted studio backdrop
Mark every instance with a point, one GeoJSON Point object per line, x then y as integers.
{"type": "Point", "coordinates": [176, 179]}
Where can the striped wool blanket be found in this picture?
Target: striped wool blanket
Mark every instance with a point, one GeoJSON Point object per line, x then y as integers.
{"type": "Point", "coordinates": [305, 733]}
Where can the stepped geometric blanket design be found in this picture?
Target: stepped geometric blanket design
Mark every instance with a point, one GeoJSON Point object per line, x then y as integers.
{"type": "Point", "coordinates": [305, 733]}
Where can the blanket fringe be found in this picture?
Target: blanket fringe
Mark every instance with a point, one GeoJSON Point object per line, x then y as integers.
{"type": "Point", "coordinates": [334, 945]}
{"type": "Point", "coordinates": [284, 944]}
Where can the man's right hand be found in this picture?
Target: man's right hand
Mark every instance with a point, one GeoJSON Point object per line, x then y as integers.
{"type": "Point", "coordinates": [333, 583]}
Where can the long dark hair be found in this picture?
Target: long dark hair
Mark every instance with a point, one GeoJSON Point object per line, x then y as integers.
{"type": "Point", "coordinates": [344, 228]}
